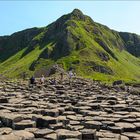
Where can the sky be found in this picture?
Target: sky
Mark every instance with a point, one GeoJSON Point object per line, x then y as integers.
{"type": "Point", "coordinates": [19, 15]}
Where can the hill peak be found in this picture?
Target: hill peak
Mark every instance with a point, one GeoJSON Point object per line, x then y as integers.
{"type": "Point", "coordinates": [76, 13]}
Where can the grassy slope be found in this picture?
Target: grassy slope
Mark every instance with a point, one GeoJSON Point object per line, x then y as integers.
{"type": "Point", "coordinates": [126, 68]}
{"type": "Point", "coordinates": [15, 65]}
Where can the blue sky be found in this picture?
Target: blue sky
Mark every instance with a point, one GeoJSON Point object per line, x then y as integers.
{"type": "Point", "coordinates": [19, 15]}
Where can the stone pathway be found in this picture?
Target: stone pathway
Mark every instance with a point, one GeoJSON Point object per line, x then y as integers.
{"type": "Point", "coordinates": [83, 111]}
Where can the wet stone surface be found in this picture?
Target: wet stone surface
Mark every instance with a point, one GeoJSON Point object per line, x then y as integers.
{"type": "Point", "coordinates": [84, 110]}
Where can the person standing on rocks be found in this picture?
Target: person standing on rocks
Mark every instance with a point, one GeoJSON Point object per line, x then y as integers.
{"type": "Point", "coordinates": [70, 75]}
{"type": "Point", "coordinates": [42, 80]}
{"type": "Point", "coordinates": [61, 77]}
{"type": "Point", "coordinates": [32, 81]}
{"type": "Point", "coordinates": [54, 81]}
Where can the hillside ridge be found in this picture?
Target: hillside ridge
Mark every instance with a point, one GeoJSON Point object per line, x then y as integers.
{"type": "Point", "coordinates": [73, 40]}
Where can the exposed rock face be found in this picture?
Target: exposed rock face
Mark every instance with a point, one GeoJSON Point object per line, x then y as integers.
{"type": "Point", "coordinates": [84, 110]}
{"type": "Point", "coordinates": [132, 43]}
{"type": "Point", "coordinates": [10, 45]}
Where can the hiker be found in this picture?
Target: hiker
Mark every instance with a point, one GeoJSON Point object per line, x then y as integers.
{"type": "Point", "coordinates": [61, 77]}
{"type": "Point", "coordinates": [32, 81]}
{"type": "Point", "coordinates": [54, 81]}
{"type": "Point", "coordinates": [42, 80]}
{"type": "Point", "coordinates": [70, 75]}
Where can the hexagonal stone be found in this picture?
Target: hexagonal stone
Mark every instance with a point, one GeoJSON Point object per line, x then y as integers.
{"type": "Point", "coordinates": [5, 130]}
{"type": "Point", "coordinates": [51, 112]}
{"type": "Point", "coordinates": [24, 134]}
{"type": "Point", "coordinates": [88, 134]}
{"type": "Point", "coordinates": [129, 120]}
{"type": "Point", "coordinates": [31, 130]}
{"type": "Point", "coordinates": [107, 134]}
{"type": "Point", "coordinates": [51, 136]}
{"type": "Point", "coordinates": [72, 117]}
{"type": "Point", "coordinates": [124, 137]}
{"type": "Point", "coordinates": [107, 123]}
{"type": "Point", "coordinates": [44, 121]}
{"type": "Point", "coordinates": [119, 107]}
{"type": "Point", "coordinates": [115, 129]}
{"type": "Point", "coordinates": [64, 134]}
{"type": "Point", "coordinates": [69, 113]}
{"type": "Point", "coordinates": [57, 126]}
{"type": "Point", "coordinates": [84, 112]}
{"type": "Point", "coordinates": [121, 112]}
{"type": "Point", "coordinates": [74, 122]}
{"type": "Point", "coordinates": [131, 135]}
{"type": "Point", "coordinates": [93, 113]}
{"type": "Point", "coordinates": [127, 127]}
{"type": "Point", "coordinates": [75, 127]}
{"type": "Point", "coordinates": [108, 110]}
{"type": "Point", "coordinates": [136, 114]}
{"type": "Point", "coordinates": [8, 118]}
{"type": "Point", "coordinates": [137, 124]}
{"type": "Point", "coordinates": [40, 133]}
{"type": "Point", "coordinates": [112, 98]}
{"type": "Point", "coordinates": [93, 125]}
{"type": "Point", "coordinates": [24, 124]}
{"type": "Point", "coordinates": [10, 137]}
{"type": "Point", "coordinates": [95, 106]}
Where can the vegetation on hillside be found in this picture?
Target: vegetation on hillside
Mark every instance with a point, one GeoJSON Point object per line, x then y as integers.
{"type": "Point", "coordinates": [74, 40]}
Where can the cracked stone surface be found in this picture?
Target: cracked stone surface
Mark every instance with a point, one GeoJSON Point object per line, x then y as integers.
{"type": "Point", "coordinates": [84, 110]}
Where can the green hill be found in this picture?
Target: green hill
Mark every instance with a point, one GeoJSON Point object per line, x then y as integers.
{"type": "Point", "coordinates": [74, 40]}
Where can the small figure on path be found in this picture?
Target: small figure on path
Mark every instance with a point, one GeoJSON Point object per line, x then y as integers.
{"type": "Point", "coordinates": [32, 81]}
{"type": "Point", "coordinates": [70, 75]}
{"type": "Point", "coordinates": [42, 80]}
{"type": "Point", "coordinates": [54, 81]}
{"type": "Point", "coordinates": [61, 77]}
